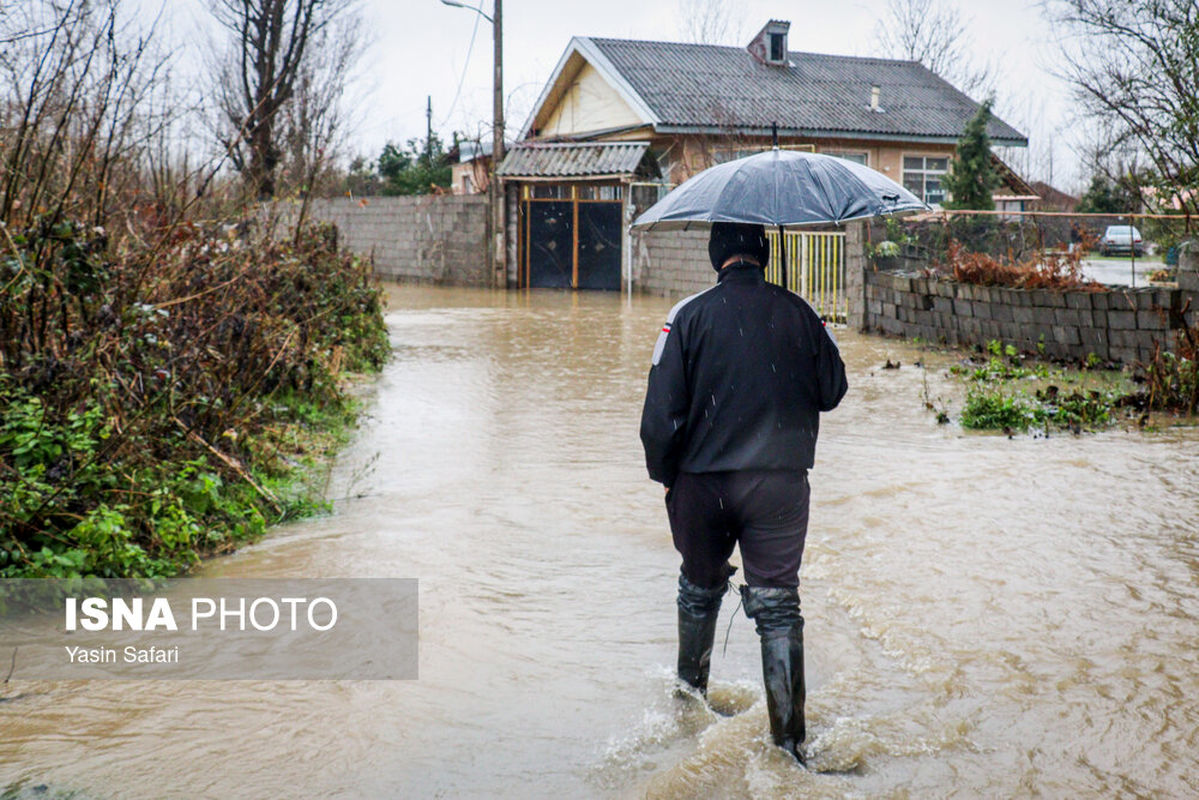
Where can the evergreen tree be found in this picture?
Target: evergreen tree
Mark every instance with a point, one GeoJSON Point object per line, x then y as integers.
{"type": "Point", "coordinates": [1107, 197]}
{"type": "Point", "coordinates": [972, 174]}
{"type": "Point", "coordinates": [416, 169]}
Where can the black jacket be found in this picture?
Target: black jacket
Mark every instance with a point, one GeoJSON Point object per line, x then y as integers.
{"type": "Point", "coordinates": [740, 375]}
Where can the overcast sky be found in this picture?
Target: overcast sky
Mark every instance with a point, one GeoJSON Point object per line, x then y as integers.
{"type": "Point", "coordinates": [423, 49]}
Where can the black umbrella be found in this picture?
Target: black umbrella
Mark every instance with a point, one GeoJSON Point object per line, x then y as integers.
{"type": "Point", "coordinates": [783, 188]}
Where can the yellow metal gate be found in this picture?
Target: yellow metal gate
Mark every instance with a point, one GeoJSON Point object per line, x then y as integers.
{"type": "Point", "coordinates": [815, 270]}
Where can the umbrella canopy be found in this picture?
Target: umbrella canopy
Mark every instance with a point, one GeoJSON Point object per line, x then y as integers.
{"type": "Point", "coordinates": [780, 188]}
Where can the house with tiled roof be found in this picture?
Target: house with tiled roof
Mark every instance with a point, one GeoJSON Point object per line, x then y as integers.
{"type": "Point", "coordinates": [617, 115]}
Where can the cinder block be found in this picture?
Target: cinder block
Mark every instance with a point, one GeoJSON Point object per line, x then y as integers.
{"type": "Point", "coordinates": [1152, 320]}
{"type": "Point", "coordinates": [1044, 316]}
{"type": "Point", "coordinates": [1122, 320]}
{"type": "Point", "coordinates": [1166, 298]}
{"type": "Point", "coordinates": [1093, 340]}
{"type": "Point", "coordinates": [1065, 316]}
{"type": "Point", "coordinates": [1147, 339]}
{"type": "Point", "coordinates": [1078, 300]}
{"type": "Point", "coordinates": [963, 307]}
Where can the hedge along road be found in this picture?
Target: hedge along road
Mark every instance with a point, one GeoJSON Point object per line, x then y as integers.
{"type": "Point", "coordinates": [985, 616]}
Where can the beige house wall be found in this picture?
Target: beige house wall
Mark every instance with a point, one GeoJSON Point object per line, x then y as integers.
{"type": "Point", "coordinates": [589, 104]}
{"type": "Point", "coordinates": [693, 153]}
{"type": "Point", "coordinates": [477, 172]}
{"type": "Point", "coordinates": [890, 159]}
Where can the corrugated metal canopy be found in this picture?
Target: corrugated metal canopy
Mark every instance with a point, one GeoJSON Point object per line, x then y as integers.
{"type": "Point", "coordinates": [573, 159]}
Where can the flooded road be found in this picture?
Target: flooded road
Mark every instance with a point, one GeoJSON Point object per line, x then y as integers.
{"type": "Point", "coordinates": [985, 617]}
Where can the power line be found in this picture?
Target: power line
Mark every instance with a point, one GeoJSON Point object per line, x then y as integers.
{"type": "Point", "coordinates": [470, 48]}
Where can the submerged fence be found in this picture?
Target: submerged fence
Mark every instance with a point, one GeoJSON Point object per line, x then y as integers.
{"type": "Point", "coordinates": [815, 269]}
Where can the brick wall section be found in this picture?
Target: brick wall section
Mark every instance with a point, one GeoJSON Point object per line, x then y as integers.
{"type": "Point", "coordinates": [671, 263]}
{"type": "Point", "coordinates": [426, 239]}
{"type": "Point", "coordinates": [1121, 325]}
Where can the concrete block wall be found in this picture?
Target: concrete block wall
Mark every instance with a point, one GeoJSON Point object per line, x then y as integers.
{"type": "Point", "coordinates": [855, 274]}
{"type": "Point", "coordinates": [671, 263]}
{"type": "Point", "coordinates": [427, 239]}
{"type": "Point", "coordinates": [1188, 270]}
{"type": "Point", "coordinates": [1120, 325]}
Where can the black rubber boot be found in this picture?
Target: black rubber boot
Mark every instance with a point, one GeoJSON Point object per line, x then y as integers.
{"type": "Point", "coordinates": [775, 611]}
{"type": "Point", "coordinates": [698, 610]}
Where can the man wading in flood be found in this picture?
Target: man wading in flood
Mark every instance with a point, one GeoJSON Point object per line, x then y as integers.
{"type": "Point", "coordinates": [740, 373]}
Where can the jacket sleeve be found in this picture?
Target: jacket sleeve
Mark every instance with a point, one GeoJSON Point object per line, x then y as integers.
{"type": "Point", "coordinates": [664, 416]}
{"type": "Point", "coordinates": [830, 372]}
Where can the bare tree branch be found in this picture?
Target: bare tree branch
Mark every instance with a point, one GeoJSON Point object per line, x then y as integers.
{"type": "Point", "coordinates": [1134, 66]}
{"type": "Point", "coordinates": [935, 35]}
{"type": "Point", "coordinates": [711, 21]}
{"type": "Point", "coordinates": [271, 44]}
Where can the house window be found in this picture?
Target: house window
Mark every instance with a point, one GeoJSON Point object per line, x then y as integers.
{"type": "Point", "coordinates": [922, 177]}
{"type": "Point", "coordinates": [550, 191]}
{"type": "Point", "coordinates": [777, 47]}
{"type": "Point", "coordinates": [468, 186]}
{"type": "Point", "coordinates": [600, 192]}
{"type": "Point", "coordinates": [857, 158]}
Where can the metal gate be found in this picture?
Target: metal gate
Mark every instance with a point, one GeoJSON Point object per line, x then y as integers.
{"type": "Point", "coordinates": [571, 236]}
{"type": "Point", "coordinates": [815, 270]}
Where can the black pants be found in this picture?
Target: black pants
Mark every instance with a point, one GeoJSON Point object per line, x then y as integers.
{"type": "Point", "coordinates": [766, 511]}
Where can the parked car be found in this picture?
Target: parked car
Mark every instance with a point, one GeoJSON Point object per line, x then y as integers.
{"type": "Point", "coordinates": [1121, 239]}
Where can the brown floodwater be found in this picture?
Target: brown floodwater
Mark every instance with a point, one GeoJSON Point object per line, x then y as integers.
{"type": "Point", "coordinates": [986, 617]}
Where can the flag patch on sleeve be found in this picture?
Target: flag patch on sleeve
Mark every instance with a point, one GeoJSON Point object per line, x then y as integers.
{"type": "Point", "coordinates": [661, 343]}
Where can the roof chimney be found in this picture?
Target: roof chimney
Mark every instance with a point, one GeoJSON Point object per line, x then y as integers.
{"type": "Point", "coordinates": [770, 44]}
{"type": "Point", "coordinates": [875, 90]}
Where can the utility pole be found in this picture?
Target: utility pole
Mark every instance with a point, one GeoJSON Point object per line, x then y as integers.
{"type": "Point", "coordinates": [429, 131]}
{"type": "Point", "coordinates": [498, 201]}
{"type": "Point", "coordinates": [496, 250]}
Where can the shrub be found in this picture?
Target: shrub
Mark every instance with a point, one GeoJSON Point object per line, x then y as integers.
{"type": "Point", "coordinates": [151, 395]}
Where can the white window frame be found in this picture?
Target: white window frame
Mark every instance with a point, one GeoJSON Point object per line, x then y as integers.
{"type": "Point", "coordinates": [925, 173]}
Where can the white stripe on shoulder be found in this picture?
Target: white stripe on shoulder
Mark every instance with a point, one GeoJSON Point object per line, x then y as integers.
{"type": "Point", "coordinates": [660, 345]}
{"type": "Point", "coordinates": [677, 306]}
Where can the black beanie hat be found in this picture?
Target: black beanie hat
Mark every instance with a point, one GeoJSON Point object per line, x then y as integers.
{"type": "Point", "coordinates": [737, 238]}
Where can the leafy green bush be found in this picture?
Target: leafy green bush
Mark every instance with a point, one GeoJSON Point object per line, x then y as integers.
{"type": "Point", "coordinates": [159, 403]}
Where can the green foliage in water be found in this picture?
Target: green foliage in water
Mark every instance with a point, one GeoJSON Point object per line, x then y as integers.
{"type": "Point", "coordinates": [994, 403]}
{"type": "Point", "coordinates": [994, 410]}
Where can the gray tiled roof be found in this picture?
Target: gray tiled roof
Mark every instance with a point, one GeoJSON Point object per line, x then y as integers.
{"type": "Point", "coordinates": [706, 86]}
{"type": "Point", "coordinates": [573, 159]}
